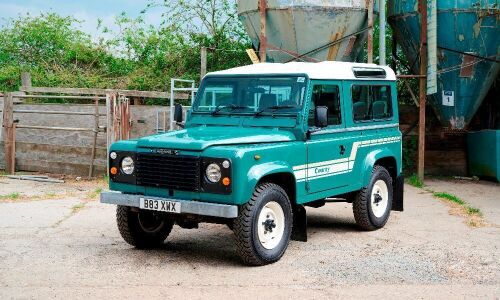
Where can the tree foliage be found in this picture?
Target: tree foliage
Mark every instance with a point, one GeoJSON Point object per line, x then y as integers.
{"type": "Point", "coordinates": [138, 56]}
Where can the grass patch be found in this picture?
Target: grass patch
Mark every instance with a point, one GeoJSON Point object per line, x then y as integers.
{"type": "Point", "coordinates": [473, 210]}
{"type": "Point", "coordinates": [95, 193]}
{"type": "Point", "coordinates": [77, 207]}
{"type": "Point", "coordinates": [473, 215]}
{"type": "Point", "coordinates": [11, 196]}
{"type": "Point", "coordinates": [450, 197]}
{"type": "Point", "coordinates": [415, 181]}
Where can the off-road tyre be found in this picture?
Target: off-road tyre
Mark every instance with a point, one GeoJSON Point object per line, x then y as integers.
{"type": "Point", "coordinates": [249, 247]}
{"type": "Point", "coordinates": [362, 204]}
{"type": "Point", "coordinates": [135, 234]}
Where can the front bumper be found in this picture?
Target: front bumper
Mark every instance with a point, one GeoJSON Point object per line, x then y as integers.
{"type": "Point", "coordinates": [187, 207]}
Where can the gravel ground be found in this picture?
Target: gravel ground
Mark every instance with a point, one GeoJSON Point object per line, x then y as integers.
{"type": "Point", "coordinates": [69, 247]}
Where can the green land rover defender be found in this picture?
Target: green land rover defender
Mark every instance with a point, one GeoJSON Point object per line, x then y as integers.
{"type": "Point", "coordinates": [259, 144]}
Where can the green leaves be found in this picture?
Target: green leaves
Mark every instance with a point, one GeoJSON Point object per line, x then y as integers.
{"type": "Point", "coordinates": [137, 56]}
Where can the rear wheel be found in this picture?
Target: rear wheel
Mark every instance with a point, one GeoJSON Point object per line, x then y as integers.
{"type": "Point", "coordinates": [372, 205]}
{"type": "Point", "coordinates": [142, 228]}
{"type": "Point", "coordinates": [264, 225]}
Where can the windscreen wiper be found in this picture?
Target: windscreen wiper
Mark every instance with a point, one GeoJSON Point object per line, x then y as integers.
{"type": "Point", "coordinates": [221, 107]}
{"type": "Point", "coordinates": [273, 108]}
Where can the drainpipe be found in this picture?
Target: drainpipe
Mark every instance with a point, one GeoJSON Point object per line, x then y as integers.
{"type": "Point", "coordinates": [431, 47]}
{"type": "Point", "coordinates": [381, 18]}
{"type": "Point", "coordinates": [263, 37]}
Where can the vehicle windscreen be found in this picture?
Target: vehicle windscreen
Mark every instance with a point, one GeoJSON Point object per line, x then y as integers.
{"type": "Point", "coordinates": [251, 95]}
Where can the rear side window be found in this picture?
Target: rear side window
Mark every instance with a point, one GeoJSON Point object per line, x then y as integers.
{"type": "Point", "coordinates": [326, 95]}
{"type": "Point", "coordinates": [371, 102]}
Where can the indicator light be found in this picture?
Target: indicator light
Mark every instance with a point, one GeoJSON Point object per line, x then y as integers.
{"type": "Point", "coordinates": [113, 171]}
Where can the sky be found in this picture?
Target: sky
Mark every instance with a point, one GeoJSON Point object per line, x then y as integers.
{"type": "Point", "coordinates": [88, 11]}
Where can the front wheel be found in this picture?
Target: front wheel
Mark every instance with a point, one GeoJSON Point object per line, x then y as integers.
{"type": "Point", "coordinates": [372, 205]}
{"type": "Point", "coordinates": [142, 228]}
{"type": "Point", "coordinates": [264, 225]}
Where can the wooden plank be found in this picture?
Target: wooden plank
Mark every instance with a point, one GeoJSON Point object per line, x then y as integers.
{"type": "Point", "coordinates": [8, 133]}
{"type": "Point", "coordinates": [94, 141]}
{"type": "Point", "coordinates": [91, 91]}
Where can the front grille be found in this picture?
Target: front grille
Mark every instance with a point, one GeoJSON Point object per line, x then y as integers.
{"type": "Point", "coordinates": [179, 172]}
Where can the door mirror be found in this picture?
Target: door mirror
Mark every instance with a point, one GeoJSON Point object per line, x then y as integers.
{"type": "Point", "coordinates": [321, 116]}
{"type": "Point", "coordinates": [178, 113]}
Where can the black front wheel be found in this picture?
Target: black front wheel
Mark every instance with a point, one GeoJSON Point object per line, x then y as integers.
{"type": "Point", "coordinates": [142, 228]}
{"type": "Point", "coordinates": [264, 225]}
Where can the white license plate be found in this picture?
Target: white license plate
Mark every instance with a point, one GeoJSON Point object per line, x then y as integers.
{"type": "Point", "coordinates": [160, 205]}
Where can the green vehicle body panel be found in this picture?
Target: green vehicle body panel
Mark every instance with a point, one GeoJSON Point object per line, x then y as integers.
{"type": "Point", "coordinates": [282, 144]}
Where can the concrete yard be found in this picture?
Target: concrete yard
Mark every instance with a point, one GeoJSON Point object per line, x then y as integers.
{"type": "Point", "coordinates": [57, 240]}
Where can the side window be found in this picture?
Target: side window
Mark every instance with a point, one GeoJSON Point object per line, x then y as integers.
{"type": "Point", "coordinates": [371, 102]}
{"type": "Point", "coordinates": [326, 95]}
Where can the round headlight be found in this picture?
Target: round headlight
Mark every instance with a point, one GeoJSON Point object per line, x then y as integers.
{"type": "Point", "coordinates": [226, 164]}
{"type": "Point", "coordinates": [213, 173]}
{"type": "Point", "coordinates": [113, 155]}
{"type": "Point", "coordinates": [128, 165]}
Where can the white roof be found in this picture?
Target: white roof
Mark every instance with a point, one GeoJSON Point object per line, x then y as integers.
{"type": "Point", "coordinates": [320, 70]}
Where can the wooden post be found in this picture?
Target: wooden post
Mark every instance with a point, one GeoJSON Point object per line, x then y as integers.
{"type": "Point", "coordinates": [370, 31]}
{"type": "Point", "coordinates": [422, 88]}
{"type": "Point", "coordinates": [13, 147]}
{"type": "Point", "coordinates": [94, 142]}
{"type": "Point", "coordinates": [26, 79]}
{"type": "Point", "coordinates": [8, 133]}
{"type": "Point", "coordinates": [263, 38]}
{"type": "Point", "coordinates": [203, 61]}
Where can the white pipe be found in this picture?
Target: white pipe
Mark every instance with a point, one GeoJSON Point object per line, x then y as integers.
{"type": "Point", "coordinates": [382, 23]}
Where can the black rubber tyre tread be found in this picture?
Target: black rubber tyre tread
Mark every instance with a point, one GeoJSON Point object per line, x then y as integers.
{"type": "Point", "coordinates": [132, 233]}
{"type": "Point", "coordinates": [242, 228]}
{"type": "Point", "coordinates": [362, 199]}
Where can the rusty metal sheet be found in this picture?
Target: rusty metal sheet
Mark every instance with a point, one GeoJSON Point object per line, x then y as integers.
{"type": "Point", "coordinates": [300, 26]}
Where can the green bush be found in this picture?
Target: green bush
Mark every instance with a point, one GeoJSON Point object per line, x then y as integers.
{"type": "Point", "coordinates": [138, 57]}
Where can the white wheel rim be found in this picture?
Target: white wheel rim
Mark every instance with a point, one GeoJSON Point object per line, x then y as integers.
{"type": "Point", "coordinates": [271, 225]}
{"type": "Point", "coordinates": [379, 198]}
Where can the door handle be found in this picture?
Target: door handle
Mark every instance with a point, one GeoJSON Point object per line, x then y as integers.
{"type": "Point", "coordinates": [342, 149]}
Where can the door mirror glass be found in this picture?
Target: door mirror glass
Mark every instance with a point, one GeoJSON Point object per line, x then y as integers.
{"type": "Point", "coordinates": [178, 113]}
{"type": "Point", "coordinates": [321, 116]}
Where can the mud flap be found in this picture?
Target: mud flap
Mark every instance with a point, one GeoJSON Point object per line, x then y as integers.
{"type": "Point", "coordinates": [299, 230]}
{"type": "Point", "coordinates": [397, 200]}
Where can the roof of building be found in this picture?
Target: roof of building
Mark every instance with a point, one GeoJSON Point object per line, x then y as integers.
{"type": "Point", "coordinates": [320, 70]}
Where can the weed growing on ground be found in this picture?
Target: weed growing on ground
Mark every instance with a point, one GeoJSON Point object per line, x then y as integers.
{"type": "Point", "coordinates": [77, 207]}
{"type": "Point", "coordinates": [95, 193]}
{"type": "Point", "coordinates": [460, 207]}
{"type": "Point", "coordinates": [473, 211]}
{"type": "Point", "coordinates": [449, 197]}
{"type": "Point", "coordinates": [11, 196]}
{"type": "Point", "coordinates": [415, 181]}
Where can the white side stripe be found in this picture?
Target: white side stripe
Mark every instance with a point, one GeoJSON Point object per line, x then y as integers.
{"type": "Point", "coordinates": [337, 166]}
